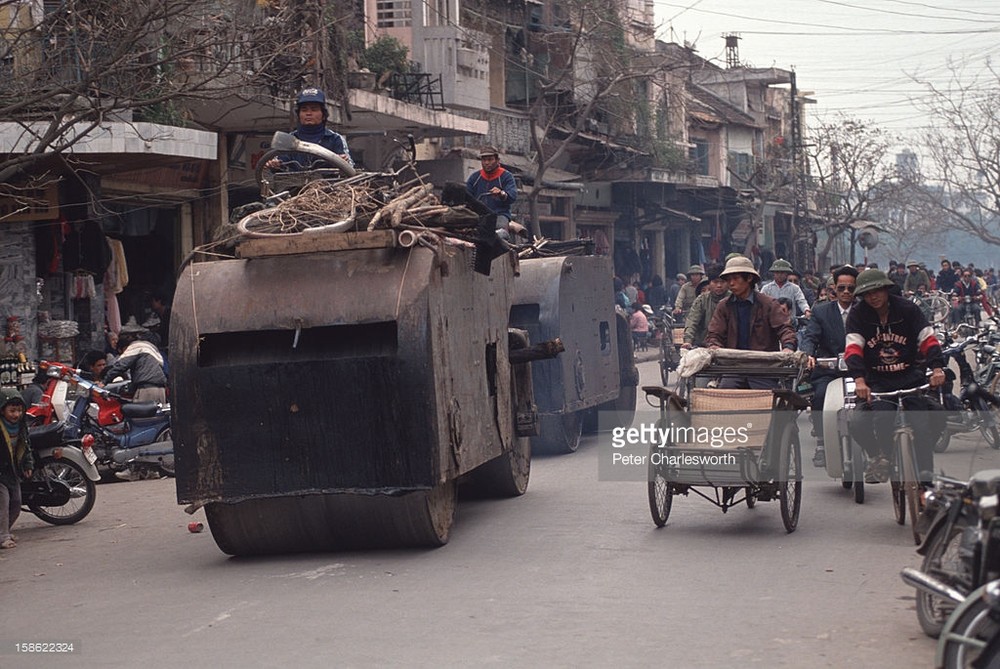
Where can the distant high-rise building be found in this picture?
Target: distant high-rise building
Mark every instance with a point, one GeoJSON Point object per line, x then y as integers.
{"type": "Point", "coordinates": [907, 163]}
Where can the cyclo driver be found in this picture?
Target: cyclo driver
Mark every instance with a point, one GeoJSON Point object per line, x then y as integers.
{"type": "Point", "coordinates": [887, 337]}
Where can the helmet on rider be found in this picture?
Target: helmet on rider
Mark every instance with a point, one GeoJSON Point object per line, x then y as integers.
{"type": "Point", "coordinates": [781, 265]}
{"type": "Point", "coordinates": [872, 279]}
{"type": "Point", "coordinates": [315, 95]}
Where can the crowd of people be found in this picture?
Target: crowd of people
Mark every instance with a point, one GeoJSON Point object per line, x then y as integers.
{"type": "Point", "coordinates": [861, 312]}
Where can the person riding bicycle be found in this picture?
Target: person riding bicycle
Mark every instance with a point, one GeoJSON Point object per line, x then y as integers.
{"type": "Point", "coordinates": [782, 287]}
{"type": "Point", "coordinates": [689, 290]}
{"type": "Point", "coordinates": [916, 277]}
{"type": "Point", "coordinates": [889, 345]}
{"type": "Point", "coordinates": [493, 186]}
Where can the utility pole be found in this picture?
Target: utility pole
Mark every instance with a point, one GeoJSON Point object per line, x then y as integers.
{"type": "Point", "coordinates": [796, 168]}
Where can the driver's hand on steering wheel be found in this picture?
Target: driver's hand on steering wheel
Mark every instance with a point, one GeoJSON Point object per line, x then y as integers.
{"type": "Point", "coordinates": [273, 164]}
{"type": "Point", "coordinates": [937, 377]}
{"type": "Point", "coordinates": [811, 363]}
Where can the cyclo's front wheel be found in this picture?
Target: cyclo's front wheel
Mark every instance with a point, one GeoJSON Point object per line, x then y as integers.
{"type": "Point", "coordinates": [910, 482]}
{"type": "Point", "coordinates": [660, 490]}
{"type": "Point", "coordinates": [790, 477]}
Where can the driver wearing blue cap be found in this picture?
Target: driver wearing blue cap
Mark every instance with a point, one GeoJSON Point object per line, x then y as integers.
{"type": "Point", "coordinates": [310, 107]}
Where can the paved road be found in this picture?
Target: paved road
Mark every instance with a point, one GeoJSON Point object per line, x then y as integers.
{"type": "Point", "coordinates": [572, 574]}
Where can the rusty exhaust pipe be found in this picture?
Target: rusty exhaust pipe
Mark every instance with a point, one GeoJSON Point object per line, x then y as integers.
{"type": "Point", "coordinates": [407, 239]}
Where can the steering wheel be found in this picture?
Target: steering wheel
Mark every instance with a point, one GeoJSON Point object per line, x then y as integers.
{"type": "Point", "coordinates": [336, 161]}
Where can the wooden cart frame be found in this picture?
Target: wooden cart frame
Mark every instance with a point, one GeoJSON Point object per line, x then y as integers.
{"type": "Point", "coordinates": [761, 462]}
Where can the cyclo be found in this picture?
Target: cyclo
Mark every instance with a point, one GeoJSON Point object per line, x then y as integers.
{"type": "Point", "coordinates": [727, 446]}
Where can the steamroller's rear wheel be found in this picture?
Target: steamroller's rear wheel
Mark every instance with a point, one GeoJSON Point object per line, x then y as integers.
{"type": "Point", "coordinates": [305, 523]}
{"type": "Point", "coordinates": [506, 475]}
{"type": "Point", "coordinates": [558, 433]}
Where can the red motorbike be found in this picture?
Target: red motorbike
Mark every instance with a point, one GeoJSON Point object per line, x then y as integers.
{"type": "Point", "coordinates": [52, 406]}
{"type": "Point", "coordinates": [123, 434]}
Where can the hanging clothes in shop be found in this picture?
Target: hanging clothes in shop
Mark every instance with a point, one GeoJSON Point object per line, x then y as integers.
{"type": "Point", "coordinates": [86, 248]}
{"type": "Point", "coordinates": [48, 245]}
{"type": "Point", "coordinates": [82, 286]}
{"type": "Point", "coordinates": [115, 280]}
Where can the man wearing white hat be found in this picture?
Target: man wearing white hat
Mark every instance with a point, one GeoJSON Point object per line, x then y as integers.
{"type": "Point", "coordinates": [748, 320]}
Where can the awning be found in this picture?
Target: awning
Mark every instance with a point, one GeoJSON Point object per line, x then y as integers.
{"type": "Point", "coordinates": [553, 177]}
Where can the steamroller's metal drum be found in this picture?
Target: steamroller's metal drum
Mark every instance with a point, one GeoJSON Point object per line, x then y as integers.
{"type": "Point", "coordinates": [328, 400]}
{"type": "Point", "coordinates": [572, 297]}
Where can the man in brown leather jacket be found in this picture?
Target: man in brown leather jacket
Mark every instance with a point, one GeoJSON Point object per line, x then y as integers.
{"type": "Point", "coordinates": [748, 320]}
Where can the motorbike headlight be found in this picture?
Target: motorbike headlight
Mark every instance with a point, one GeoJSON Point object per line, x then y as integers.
{"type": "Point", "coordinates": [988, 506]}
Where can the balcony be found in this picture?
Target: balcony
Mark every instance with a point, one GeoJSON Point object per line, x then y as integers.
{"type": "Point", "coordinates": [461, 58]}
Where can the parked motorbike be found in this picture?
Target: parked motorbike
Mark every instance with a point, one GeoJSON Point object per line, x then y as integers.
{"type": "Point", "coordinates": [973, 407]}
{"type": "Point", "coordinates": [961, 546]}
{"type": "Point", "coordinates": [62, 489]}
{"type": "Point", "coordinates": [52, 405]}
{"type": "Point", "coordinates": [971, 637]}
{"type": "Point", "coordinates": [126, 434]}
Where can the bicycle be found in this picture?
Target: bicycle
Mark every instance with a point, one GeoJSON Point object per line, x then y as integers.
{"type": "Point", "coordinates": [904, 480]}
{"type": "Point", "coordinates": [935, 305]}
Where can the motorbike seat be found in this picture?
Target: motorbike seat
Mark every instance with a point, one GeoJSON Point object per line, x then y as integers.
{"type": "Point", "coordinates": [985, 482]}
{"type": "Point", "coordinates": [140, 409]}
{"type": "Point", "coordinates": [47, 436]}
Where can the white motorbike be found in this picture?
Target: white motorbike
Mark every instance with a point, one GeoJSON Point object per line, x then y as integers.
{"type": "Point", "coordinates": [63, 487]}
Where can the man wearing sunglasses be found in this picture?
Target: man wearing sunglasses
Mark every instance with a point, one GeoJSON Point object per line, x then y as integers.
{"type": "Point", "coordinates": [824, 338]}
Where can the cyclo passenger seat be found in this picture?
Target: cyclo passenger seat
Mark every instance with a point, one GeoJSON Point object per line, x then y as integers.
{"type": "Point", "coordinates": [985, 482]}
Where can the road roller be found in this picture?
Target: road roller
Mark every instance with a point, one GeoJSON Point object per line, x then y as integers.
{"type": "Point", "coordinates": [330, 390]}
{"type": "Point", "coordinates": [594, 380]}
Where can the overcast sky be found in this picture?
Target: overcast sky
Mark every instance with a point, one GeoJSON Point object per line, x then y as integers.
{"type": "Point", "coordinates": [856, 56]}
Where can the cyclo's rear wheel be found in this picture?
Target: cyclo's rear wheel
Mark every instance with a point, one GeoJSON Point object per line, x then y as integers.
{"type": "Point", "coordinates": [790, 477]}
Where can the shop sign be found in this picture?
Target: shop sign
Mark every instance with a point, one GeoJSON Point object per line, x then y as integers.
{"type": "Point", "coordinates": [36, 204]}
{"type": "Point", "coordinates": [742, 231]}
{"type": "Point", "coordinates": [245, 151]}
{"type": "Point", "coordinates": [189, 174]}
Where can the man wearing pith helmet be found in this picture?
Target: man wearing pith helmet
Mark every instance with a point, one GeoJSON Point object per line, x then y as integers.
{"type": "Point", "coordinates": [689, 291]}
{"type": "Point", "coordinates": [890, 344]}
{"type": "Point", "coordinates": [916, 278]}
{"type": "Point", "coordinates": [749, 321]}
{"type": "Point", "coordinates": [782, 287]}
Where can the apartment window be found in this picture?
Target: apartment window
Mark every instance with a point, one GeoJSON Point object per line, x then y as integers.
{"type": "Point", "coordinates": [393, 14]}
{"type": "Point", "coordinates": [741, 164]}
{"type": "Point", "coordinates": [698, 155]}
{"type": "Point", "coordinates": [439, 12]}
